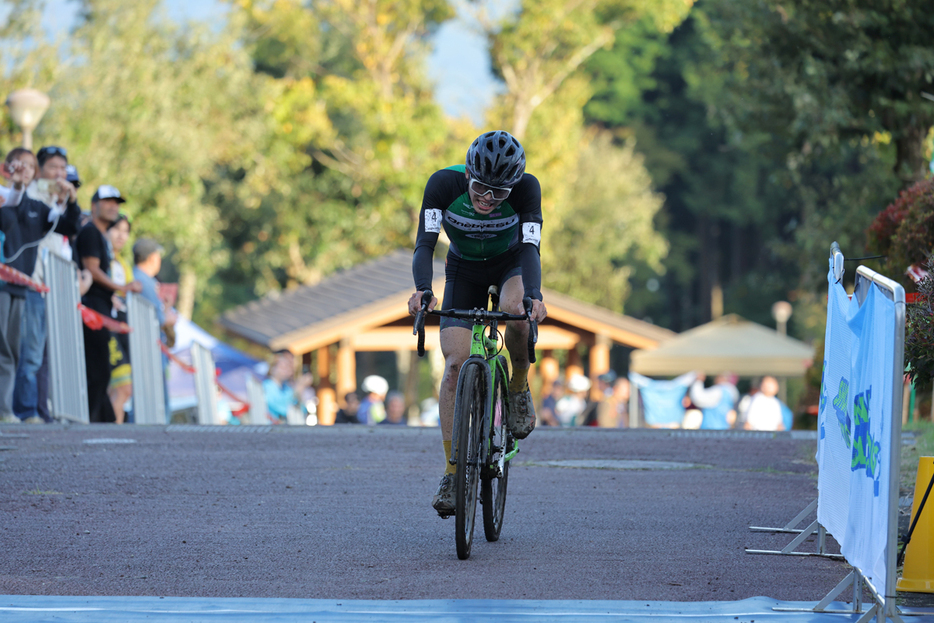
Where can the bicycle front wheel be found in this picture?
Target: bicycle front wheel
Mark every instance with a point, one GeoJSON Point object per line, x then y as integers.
{"type": "Point", "coordinates": [493, 487]}
{"type": "Point", "coordinates": [470, 406]}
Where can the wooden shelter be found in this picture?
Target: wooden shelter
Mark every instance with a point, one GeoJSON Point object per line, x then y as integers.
{"type": "Point", "coordinates": [364, 309]}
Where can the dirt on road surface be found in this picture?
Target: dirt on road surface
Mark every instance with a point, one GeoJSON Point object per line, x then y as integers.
{"type": "Point", "coordinates": [344, 513]}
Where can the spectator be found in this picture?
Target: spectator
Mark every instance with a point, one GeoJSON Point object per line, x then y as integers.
{"type": "Point", "coordinates": [372, 410]}
{"type": "Point", "coordinates": [121, 379]}
{"type": "Point", "coordinates": [93, 251]}
{"type": "Point", "coordinates": [25, 221]}
{"type": "Point", "coordinates": [547, 416]}
{"type": "Point", "coordinates": [348, 413]}
{"type": "Point", "coordinates": [606, 416]}
{"type": "Point", "coordinates": [395, 409]}
{"type": "Point", "coordinates": [282, 394]}
{"type": "Point", "coordinates": [32, 382]}
{"type": "Point", "coordinates": [572, 407]}
{"type": "Point", "coordinates": [147, 262]}
{"type": "Point", "coordinates": [718, 403]}
{"type": "Point", "coordinates": [614, 411]}
{"type": "Point", "coordinates": [763, 410]}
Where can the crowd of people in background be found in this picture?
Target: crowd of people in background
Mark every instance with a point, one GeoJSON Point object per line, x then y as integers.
{"type": "Point", "coordinates": [714, 404]}
{"type": "Point", "coordinates": [39, 214]}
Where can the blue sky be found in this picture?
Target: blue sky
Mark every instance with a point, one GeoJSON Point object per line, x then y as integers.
{"type": "Point", "coordinates": [459, 64]}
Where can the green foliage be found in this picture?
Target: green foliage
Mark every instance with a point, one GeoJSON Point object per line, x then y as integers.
{"type": "Point", "coordinates": [610, 228]}
{"type": "Point", "coordinates": [822, 72]}
{"type": "Point", "coordinates": [598, 202]}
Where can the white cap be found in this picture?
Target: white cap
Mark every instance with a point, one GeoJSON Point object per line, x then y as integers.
{"type": "Point", "coordinates": [374, 384]}
{"type": "Point", "coordinates": [578, 383]}
{"type": "Point", "coordinates": [107, 191]}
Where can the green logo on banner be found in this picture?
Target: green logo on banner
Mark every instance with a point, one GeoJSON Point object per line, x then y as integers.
{"type": "Point", "coordinates": [866, 450]}
{"type": "Point", "coordinates": [840, 404]}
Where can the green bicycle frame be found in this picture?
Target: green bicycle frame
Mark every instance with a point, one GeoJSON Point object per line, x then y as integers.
{"type": "Point", "coordinates": [484, 347]}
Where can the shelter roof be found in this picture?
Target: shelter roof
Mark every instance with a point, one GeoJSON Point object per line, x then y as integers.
{"type": "Point", "coordinates": [370, 299]}
{"type": "Point", "coordinates": [728, 344]}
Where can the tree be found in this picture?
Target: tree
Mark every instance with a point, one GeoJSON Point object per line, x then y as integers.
{"type": "Point", "coordinates": [539, 52]}
{"type": "Point", "coordinates": [749, 210]}
{"type": "Point", "coordinates": [610, 229]}
{"type": "Point", "coordinates": [356, 120]}
{"type": "Point", "coordinates": [822, 71]}
{"type": "Point", "coordinates": [153, 108]}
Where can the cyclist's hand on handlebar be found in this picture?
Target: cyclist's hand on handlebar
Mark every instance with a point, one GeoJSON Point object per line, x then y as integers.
{"type": "Point", "coordinates": [539, 312]}
{"type": "Point", "coordinates": [415, 303]}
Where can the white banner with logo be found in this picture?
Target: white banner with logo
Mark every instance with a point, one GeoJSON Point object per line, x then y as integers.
{"type": "Point", "coordinates": [855, 424]}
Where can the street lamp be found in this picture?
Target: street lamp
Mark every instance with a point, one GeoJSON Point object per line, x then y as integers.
{"type": "Point", "coordinates": [27, 107]}
{"type": "Point", "coordinates": [781, 312]}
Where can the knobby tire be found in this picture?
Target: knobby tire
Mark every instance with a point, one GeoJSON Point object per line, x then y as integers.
{"type": "Point", "coordinates": [470, 406]}
{"type": "Point", "coordinates": [493, 487]}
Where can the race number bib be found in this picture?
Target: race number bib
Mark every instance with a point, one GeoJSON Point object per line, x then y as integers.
{"type": "Point", "coordinates": [532, 233]}
{"type": "Point", "coordinates": [433, 221]}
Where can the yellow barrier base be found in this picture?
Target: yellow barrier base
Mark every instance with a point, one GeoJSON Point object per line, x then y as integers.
{"type": "Point", "coordinates": [918, 572]}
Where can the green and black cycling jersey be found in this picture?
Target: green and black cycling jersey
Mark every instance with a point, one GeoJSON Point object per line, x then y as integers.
{"type": "Point", "coordinates": [515, 226]}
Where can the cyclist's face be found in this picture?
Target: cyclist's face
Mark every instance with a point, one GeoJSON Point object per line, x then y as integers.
{"type": "Point", "coordinates": [482, 204]}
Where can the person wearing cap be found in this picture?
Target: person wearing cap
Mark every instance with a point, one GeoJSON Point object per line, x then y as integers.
{"type": "Point", "coordinates": [372, 409]}
{"type": "Point", "coordinates": [94, 254]}
{"type": "Point", "coordinates": [147, 262]}
{"type": "Point", "coordinates": [25, 222]}
{"type": "Point", "coordinates": [31, 395]}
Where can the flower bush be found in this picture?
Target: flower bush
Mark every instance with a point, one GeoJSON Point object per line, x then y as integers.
{"type": "Point", "coordinates": [919, 332]}
{"type": "Point", "coordinates": [904, 231]}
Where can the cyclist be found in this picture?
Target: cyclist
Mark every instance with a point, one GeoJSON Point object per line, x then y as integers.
{"type": "Point", "coordinates": [491, 210]}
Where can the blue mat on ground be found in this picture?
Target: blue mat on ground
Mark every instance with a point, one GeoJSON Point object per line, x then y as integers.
{"type": "Point", "coordinates": [34, 608]}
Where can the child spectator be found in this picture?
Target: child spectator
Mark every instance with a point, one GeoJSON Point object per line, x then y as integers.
{"type": "Point", "coordinates": [121, 380]}
{"type": "Point", "coordinates": [348, 413]}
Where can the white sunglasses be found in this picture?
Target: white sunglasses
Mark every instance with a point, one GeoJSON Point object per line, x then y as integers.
{"type": "Point", "coordinates": [481, 189]}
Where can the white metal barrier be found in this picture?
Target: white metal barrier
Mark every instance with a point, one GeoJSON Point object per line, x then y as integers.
{"type": "Point", "coordinates": [257, 398]}
{"type": "Point", "coordinates": [146, 361]}
{"type": "Point", "coordinates": [68, 383]}
{"type": "Point", "coordinates": [205, 384]}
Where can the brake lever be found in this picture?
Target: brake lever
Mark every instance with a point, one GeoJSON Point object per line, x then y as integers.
{"type": "Point", "coordinates": [419, 326]}
{"type": "Point", "coordinates": [533, 328]}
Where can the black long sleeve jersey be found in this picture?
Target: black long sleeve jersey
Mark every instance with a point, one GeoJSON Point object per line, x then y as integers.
{"type": "Point", "coordinates": [477, 237]}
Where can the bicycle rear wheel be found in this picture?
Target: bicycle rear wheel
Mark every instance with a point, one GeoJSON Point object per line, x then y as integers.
{"type": "Point", "coordinates": [470, 406]}
{"type": "Point", "coordinates": [493, 487]}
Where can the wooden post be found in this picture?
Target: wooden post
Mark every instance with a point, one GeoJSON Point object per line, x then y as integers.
{"type": "Point", "coordinates": [599, 363]}
{"type": "Point", "coordinates": [574, 363]}
{"type": "Point", "coordinates": [327, 403]}
{"type": "Point", "coordinates": [409, 361]}
{"type": "Point", "coordinates": [346, 370]}
{"type": "Point", "coordinates": [549, 371]}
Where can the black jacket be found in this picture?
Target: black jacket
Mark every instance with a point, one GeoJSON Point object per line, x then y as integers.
{"type": "Point", "coordinates": [27, 223]}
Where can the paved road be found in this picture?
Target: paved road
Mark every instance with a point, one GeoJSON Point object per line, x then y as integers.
{"type": "Point", "coordinates": [343, 513]}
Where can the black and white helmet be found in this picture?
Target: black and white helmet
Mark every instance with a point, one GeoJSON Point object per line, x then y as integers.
{"type": "Point", "coordinates": [496, 159]}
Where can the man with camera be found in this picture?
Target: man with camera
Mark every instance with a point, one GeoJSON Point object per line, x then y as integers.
{"type": "Point", "coordinates": [25, 222]}
{"type": "Point", "coordinates": [51, 186]}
